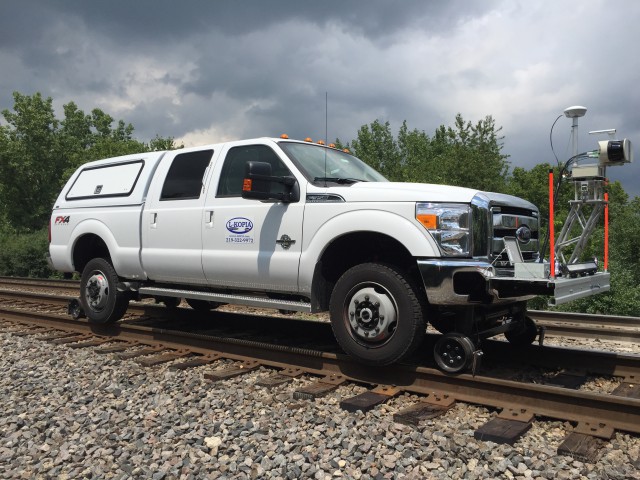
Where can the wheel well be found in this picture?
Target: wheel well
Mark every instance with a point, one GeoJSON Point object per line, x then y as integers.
{"type": "Point", "coordinates": [87, 247]}
{"type": "Point", "coordinates": [353, 249]}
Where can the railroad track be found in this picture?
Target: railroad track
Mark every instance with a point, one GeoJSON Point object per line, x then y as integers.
{"type": "Point", "coordinates": [559, 324]}
{"type": "Point", "coordinates": [150, 333]}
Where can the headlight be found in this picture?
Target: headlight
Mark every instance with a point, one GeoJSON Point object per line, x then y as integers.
{"type": "Point", "coordinates": [449, 225]}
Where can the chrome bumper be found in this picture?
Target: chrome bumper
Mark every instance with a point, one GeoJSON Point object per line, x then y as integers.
{"type": "Point", "coordinates": [465, 282]}
{"type": "Point", "coordinates": [469, 282]}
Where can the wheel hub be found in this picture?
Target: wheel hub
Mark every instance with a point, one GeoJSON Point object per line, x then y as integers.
{"type": "Point", "coordinates": [97, 291]}
{"type": "Point", "coordinates": [372, 315]}
{"type": "Point", "coordinates": [454, 352]}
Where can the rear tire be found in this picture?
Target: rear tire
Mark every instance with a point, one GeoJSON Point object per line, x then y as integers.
{"type": "Point", "coordinates": [101, 301]}
{"type": "Point", "coordinates": [524, 335]}
{"type": "Point", "coordinates": [377, 314]}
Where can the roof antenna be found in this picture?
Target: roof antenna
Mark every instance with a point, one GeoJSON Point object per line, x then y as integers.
{"type": "Point", "coordinates": [326, 135]}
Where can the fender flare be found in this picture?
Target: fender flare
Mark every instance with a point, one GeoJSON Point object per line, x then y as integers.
{"type": "Point", "coordinates": [414, 237]}
{"type": "Point", "coordinates": [94, 227]}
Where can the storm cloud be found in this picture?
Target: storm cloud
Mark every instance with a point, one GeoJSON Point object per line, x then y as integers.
{"type": "Point", "coordinates": [209, 71]}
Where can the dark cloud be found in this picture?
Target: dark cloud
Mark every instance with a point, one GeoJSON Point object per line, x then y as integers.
{"type": "Point", "coordinates": [147, 21]}
{"type": "Point", "coordinates": [211, 70]}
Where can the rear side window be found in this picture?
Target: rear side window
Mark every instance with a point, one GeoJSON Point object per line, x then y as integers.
{"type": "Point", "coordinates": [116, 180]}
{"type": "Point", "coordinates": [184, 179]}
{"type": "Point", "coordinates": [233, 169]}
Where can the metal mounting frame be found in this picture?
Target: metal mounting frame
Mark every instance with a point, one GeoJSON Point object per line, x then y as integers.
{"type": "Point", "coordinates": [589, 193]}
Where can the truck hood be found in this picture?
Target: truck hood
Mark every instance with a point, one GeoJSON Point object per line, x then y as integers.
{"type": "Point", "coordinates": [402, 192]}
{"type": "Point", "coordinates": [418, 192]}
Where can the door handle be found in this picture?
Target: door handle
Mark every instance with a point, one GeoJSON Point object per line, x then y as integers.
{"type": "Point", "coordinates": [154, 220]}
{"type": "Point", "coordinates": [208, 218]}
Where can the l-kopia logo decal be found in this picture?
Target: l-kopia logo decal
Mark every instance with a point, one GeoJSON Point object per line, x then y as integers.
{"type": "Point", "coordinates": [60, 220]}
{"type": "Point", "coordinates": [239, 225]}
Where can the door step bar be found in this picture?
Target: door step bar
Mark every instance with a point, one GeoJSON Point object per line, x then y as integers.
{"type": "Point", "coordinates": [235, 299]}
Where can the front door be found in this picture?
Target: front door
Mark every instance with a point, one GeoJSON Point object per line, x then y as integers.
{"type": "Point", "coordinates": [251, 244]}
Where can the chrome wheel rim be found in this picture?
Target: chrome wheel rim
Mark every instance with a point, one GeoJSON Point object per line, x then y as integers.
{"type": "Point", "coordinates": [97, 291]}
{"type": "Point", "coordinates": [371, 314]}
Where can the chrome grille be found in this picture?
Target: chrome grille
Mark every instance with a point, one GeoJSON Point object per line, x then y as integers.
{"type": "Point", "coordinates": [506, 222]}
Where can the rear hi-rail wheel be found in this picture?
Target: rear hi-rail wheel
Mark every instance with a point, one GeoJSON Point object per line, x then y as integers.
{"type": "Point", "coordinates": [524, 334]}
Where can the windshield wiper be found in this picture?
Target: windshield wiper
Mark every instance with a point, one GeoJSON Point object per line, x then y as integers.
{"type": "Point", "coordinates": [338, 180]}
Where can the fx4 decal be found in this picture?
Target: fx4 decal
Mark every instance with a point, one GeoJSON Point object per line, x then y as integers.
{"type": "Point", "coordinates": [60, 220]}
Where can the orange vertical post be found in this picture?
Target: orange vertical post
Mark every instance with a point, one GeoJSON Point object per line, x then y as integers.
{"type": "Point", "coordinates": [606, 232]}
{"type": "Point", "coordinates": [552, 242]}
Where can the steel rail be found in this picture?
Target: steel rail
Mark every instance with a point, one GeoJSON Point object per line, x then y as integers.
{"type": "Point", "coordinates": [591, 361]}
{"type": "Point", "coordinates": [39, 281]}
{"type": "Point", "coordinates": [572, 327]}
{"type": "Point", "coordinates": [584, 318]}
{"type": "Point", "coordinates": [552, 318]}
{"type": "Point", "coordinates": [619, 413]}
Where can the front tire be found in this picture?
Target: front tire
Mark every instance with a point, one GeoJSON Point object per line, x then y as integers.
{"type": "Point", "coordinates": [101, 301]}
{"type": "Point", "coordinates": [377, 314]}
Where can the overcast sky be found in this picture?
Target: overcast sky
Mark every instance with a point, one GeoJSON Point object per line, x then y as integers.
{"type": "Point", "coordinates": [209, 71]}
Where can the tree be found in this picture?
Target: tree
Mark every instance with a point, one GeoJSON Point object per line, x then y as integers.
{"type": "Point", "coordinates": [31, 160]}
{"type": "Point", "coordinates": [376, 146]}
{"type": "Point", "coordinates": [160, 143]}
{"type": "Point", "coordinates": [467, 155]}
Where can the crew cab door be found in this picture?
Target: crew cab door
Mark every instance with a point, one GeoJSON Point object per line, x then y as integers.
{"type": "Point", "coordinates": [248, 243]}
{"type": "Point", "coordinates": [173, 216]}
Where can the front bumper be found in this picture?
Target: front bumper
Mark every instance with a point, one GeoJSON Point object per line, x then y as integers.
{"type": "Point", "coordinates": [469, 282]}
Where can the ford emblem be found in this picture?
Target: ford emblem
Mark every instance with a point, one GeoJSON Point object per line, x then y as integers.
{"type": "Point", "coordinates": [523, 234]}
{"type": "Point", "coordinates": [239, 225]}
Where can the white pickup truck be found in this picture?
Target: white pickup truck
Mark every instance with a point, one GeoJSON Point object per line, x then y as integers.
{"type": "Point", "coordinates": [293, 225]}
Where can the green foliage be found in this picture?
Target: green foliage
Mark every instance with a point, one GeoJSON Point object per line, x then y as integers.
{"type": "Point", "coordinates": [467, 155]}
{"type": "Point", "coordinates": [376, 146]}
{"type": "Point", "coordinates": [24, 254]}
{"type": "Point", "coordinates": [30, 162]}
{"type": "Point", "coordinates": [159, 144]}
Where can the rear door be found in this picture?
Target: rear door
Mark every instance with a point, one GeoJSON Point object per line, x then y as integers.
{"type": "Point", "coordinates": [173, 217]}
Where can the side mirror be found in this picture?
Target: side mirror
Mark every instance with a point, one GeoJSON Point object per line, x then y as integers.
{"type": "Point", "coordinates": [258, 180]}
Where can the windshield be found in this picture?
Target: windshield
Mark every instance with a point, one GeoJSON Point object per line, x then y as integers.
{"type": "Point", "coordinates": [322, 164]}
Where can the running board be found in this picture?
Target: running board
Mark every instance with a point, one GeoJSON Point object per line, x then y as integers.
{"type": "Point", "coordinates": [250, 301]}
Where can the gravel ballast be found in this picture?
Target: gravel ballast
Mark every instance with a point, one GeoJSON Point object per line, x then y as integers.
{"type": "Point", "coordinates": [70, 413]}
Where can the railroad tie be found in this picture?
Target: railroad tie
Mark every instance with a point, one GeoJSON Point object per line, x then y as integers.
{"type": "Point", "coordinates": [368, 400]}
{"type": "Point", "coordinates": [586, 440]}
{"type": "Point", "coordinates": [279, 378]}
{"type": "Point", "coordinates": [225, 373]}
{"type": "Point", "coordinates": [91, 342]}
{"type": "Point", "coordinates": [427, 408]}
{"type": "Point", "coordinates": [319, 388]}
{"type": "Point", "coordinates": [150, 361]}
{"type": "Point", "coordinates": [196, 362]}
{"type": "Point", "coordinates": [507, 427]}
{"type": "Point", "coordinates": [141, 352]}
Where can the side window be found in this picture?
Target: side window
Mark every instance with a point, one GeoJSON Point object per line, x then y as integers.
{"type": "Point", "coordinates": [184, 178]}
{"type": "Point", "coordinates": [234, 166]}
